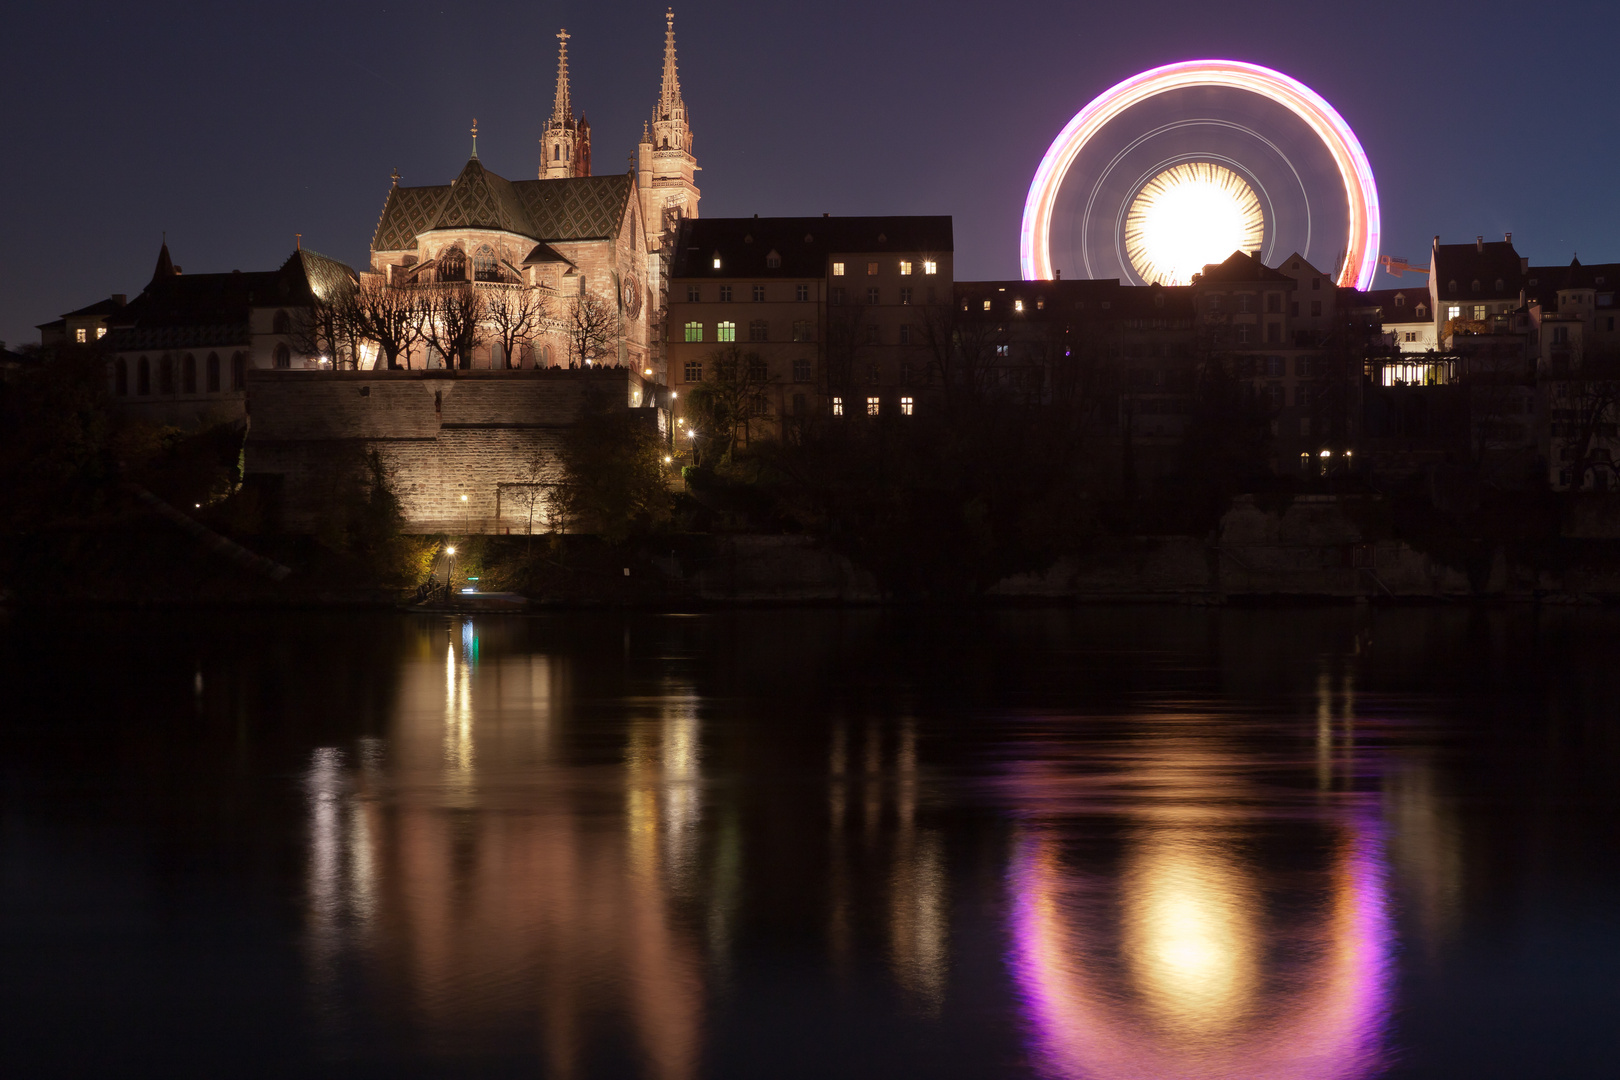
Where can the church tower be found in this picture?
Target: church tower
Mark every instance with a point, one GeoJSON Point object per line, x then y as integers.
{"type": "Point", "coordinates": [664, 160]}
{"type": "Point", "coordinates": [565, 150]}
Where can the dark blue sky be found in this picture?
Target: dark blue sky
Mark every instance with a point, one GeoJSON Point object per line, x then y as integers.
{"type": "Point", "coordinates": [233, 126]}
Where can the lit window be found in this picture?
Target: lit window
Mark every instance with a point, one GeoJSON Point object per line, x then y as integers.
{"type": "Point", "coordinates": [1479, 312]}
{"type": "Point", "coordinates": [872, 405]}
{"type": "Point", "coordinates": [838, 406]}
{"type": "Point", "coordinates": [930, 266]}
{"type": "Point", "coordinates": [79, 336]}
{"type": "Point", "coordinates": [906, 406]}
{"type": "Point", "coordinates": [905, 296]}
{"type": "Point", "coordinates": [838, 271]}
{"type": "Point", "coordinates": [801, 292]}
{"type": "Point", "coordinates": [987, 305]}
{"type": "Point", "coordinates": [693, 294]}
{"type": "Point", "coordinates": [871, 269]}
{"type": "Point", "coordinates": [694, 331]}
{"type": "Point", "coordinates": [1040, 304]}
{"type": "Point", "coordinates": [726, 331]}
{"type": "Point", "coordinates": [694, 371]}
{"type": "Point", "coordinates": [1454, 311]}
{"type": "Point", "coordinates": [717, 262]}
{"type": "Point", "coordinates": [725, 294]}
{"type": "Point", "coordinates": [1003, 350]}
{"type": "Point", "coordinates": [905, 268]}
{"type": "Point", "coordinates": [1018, 305]}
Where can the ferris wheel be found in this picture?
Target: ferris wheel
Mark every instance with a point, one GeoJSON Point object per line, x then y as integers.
{"type": "Point", "coordinates": [1184, 164]}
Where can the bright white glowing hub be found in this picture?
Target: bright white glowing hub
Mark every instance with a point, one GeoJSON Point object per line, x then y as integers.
{"type": "Point", "coordinates": [1188, 216]}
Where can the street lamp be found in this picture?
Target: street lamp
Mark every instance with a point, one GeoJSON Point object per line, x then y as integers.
{"type": "Point", "coordinates": [466, 515]}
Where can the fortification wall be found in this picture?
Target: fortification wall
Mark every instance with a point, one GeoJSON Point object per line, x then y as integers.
{"type": "Point", "coordinates": [468, 451]}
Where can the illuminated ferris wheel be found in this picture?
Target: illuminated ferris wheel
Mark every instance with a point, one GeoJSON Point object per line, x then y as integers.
{"type": "Point", "coordinates": [1182, 165]}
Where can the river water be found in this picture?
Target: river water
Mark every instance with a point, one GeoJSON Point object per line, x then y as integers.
{"type": "Point", "coordinates": [1102, 843]}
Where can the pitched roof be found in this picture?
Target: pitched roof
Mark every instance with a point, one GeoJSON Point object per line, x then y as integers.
{"type": "Point", "coordinates": [1495, 267]}
{"type": "Point", "coordinates": [569, 208]}
{"type": "Point", "coordinates": [1241, 267]}
{"type": "Point", "coordinates": [802, 244]}
{"type": "Point", "coordinates": [201, 310]}
{"type": "Point", "coordinates": [1392, 308]}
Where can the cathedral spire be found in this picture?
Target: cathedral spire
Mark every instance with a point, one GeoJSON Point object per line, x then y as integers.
{"type": "Point", "coordinates": [563, 111]}
{"type": "Point", "coordinates": [475, 136]}
{"type": "Point", "coordinates": [669, 94]}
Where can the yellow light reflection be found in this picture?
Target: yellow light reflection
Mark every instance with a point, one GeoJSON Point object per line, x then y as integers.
{"type": "Point", "coordinates": [1190, 215]}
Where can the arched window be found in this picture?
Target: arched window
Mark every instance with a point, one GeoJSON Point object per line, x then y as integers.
{"type": "Point", "coordinates": [238, 371]}
{"type": "Point", "coordinates": [283, 357]}
{"type": "Point", "coordinates": [120, 377]}
{"type": "Point", "coordinates": [452, 265]}
{"type": "Point", "coordinates": [143, 377]}
{"type": "Point", "coordinates": [497, 355]}
{"type": "Point", "coordinates": [281, 324]}
{"type": "Point", "coordinates": [1476, 284]}
{"type": "Point", "coordinates": [213, 373]}
{"type": "Point", "coordinates": [484, 268]}
{"type": "Point", "coordinates": [188, 374]}
{"type": "Point", "coordinates": [435, 358]}
{"type": "Point", "coordinates": [166, 375]}
{"type": "Point", "coordinates": [1501, 286]}
{"type": "Point", "coordinates": [1451, 286]}
{"type": "Point", "coordinates": [556, 151]}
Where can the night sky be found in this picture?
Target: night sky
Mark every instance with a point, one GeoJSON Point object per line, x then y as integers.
{"type": "Point", "coordinates": [234, 126]}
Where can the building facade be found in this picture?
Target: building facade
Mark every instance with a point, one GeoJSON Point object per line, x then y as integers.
{"type": "Point", "coordinates": [833, 312]}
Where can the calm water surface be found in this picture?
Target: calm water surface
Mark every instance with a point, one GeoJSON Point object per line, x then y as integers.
{"type": "Point", "coordinates": [1105, 843]}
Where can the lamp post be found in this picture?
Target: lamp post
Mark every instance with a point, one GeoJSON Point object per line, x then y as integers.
{"type": "Point", "coordinates": [466, 516]}
{"type": "Point", "coordinates": [449, 572]}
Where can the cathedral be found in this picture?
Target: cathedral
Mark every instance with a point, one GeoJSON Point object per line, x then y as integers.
{"type": "Point", "coordinates": [575, 242]}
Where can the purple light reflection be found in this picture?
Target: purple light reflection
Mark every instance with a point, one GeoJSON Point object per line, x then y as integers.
{"type": "Point", "coordinates": [1326, 1022]}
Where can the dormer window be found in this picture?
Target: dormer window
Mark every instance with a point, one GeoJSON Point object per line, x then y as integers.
{"type": "Point", "coordinates": [773, 261]}
{"type": "Point", "coordinates": [1451, 286]}
{"type": "Point", "coordinates": [1476, 285]}
{"type": "Point", "coordinates": [1501, 286]}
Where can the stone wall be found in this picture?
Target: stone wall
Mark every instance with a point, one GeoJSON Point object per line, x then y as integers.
{"type": "Point", "coordinates": [466, 451]}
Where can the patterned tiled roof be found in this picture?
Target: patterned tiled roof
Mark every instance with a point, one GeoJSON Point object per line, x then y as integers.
{"type": "Point", "coordinates": [572, 208]}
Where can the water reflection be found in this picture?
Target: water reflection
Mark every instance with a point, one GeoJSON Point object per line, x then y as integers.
{"type": "Point", "coordinates": [1154, 944]}
{"type": "Point", "coordinates": [503, 886]}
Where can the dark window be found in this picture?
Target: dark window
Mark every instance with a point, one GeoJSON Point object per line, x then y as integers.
{"type": "Point", "coordinates": [213, 373]}
{"type": "Point", "coordinates": [1316, 307]}
{"type": "Point", "coordinates": [872, 295]}
{"type": "Point", "coordinates": [1273, 333]}
{"type": "Point", "coordinates": [905, 296]}
{"type": "Point", "coordinates": [188, 374]}
{"type": "Point", "coordinates": [166, 375]}
{"type": "Point", "coordinates": [801, 292]}
{"type": "Point", "coordinates": [801, 371]}
{"type": "Point", "coordinates": [281, 324]}
{"type": "Point", "coordinates": [1274, 303]}
{"type": "Point", "coordinates": [759, 293]}
{"type": "Point", "coordinates": [773, 261]}
{"type": "Point", "coordinates": [838, 296]}
{"type": "Point", "coordinates": [283, 358]}
{"type": "Point", "coordinates": [238, 371]}
{"type": "Point", "coordinates": [905, 334]}
{"type": "Point", "coordinates": [1316, 283]}
{"type": "Point", "coordinates": [694, 371]}
{"type": "Point", "coordinates": [453, 265]}
{"type": "Point", "coordinates": [798, 405]}
{"type": "Point", "coordinates": [757, 330]}
{"type": "Point", "coordinates": [693, 294]}
{"type": "Point", "coordinates": [120, 377]}
{"type": "Point", "coordinates": [484, 266]}
{"type": "Point", "coordinates": [725, 292]}
{"type": "Point", "coordinates": [143, 377]}
{"type": "Point", "coordinates": [1245, 303]}
{"type": "Point", "coordinates": [757, 371]}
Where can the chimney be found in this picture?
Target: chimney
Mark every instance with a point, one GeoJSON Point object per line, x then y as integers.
{"type": "Point", "coordinates": [1524, 264]}
{"type": "Point", "coordinates": [1255, 255]}
{"type": "Point", "coordinates": [1057, 275]}
{"type": "Point", "coordinates": [1479, 244]}
{"type": "Point", "coordinates": [1508, 237]}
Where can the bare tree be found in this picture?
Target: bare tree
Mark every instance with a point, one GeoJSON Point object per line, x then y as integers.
{"type": "Point", "coordinates": [453, 321]}
{"type": "Point", "coordinates": [964, 352]}
{"type": "Point", "coordinates": [325, 330]}
{"type": "Point", "coordinates": [733, 398]}
{"type": "Point", "coordinates": [391, 316]}
{"type": "Point", "coordinates": [514, 314]}
{"type": "Point", "coordinates": [592, 328]}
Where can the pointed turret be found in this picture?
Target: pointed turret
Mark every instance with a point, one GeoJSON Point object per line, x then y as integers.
{"type": "Point", "coordinates": [665, 163]}
{"type": "Point", "coordinates": [165, 266]}
{"type": "Point", "coordinates": [566, 147]}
